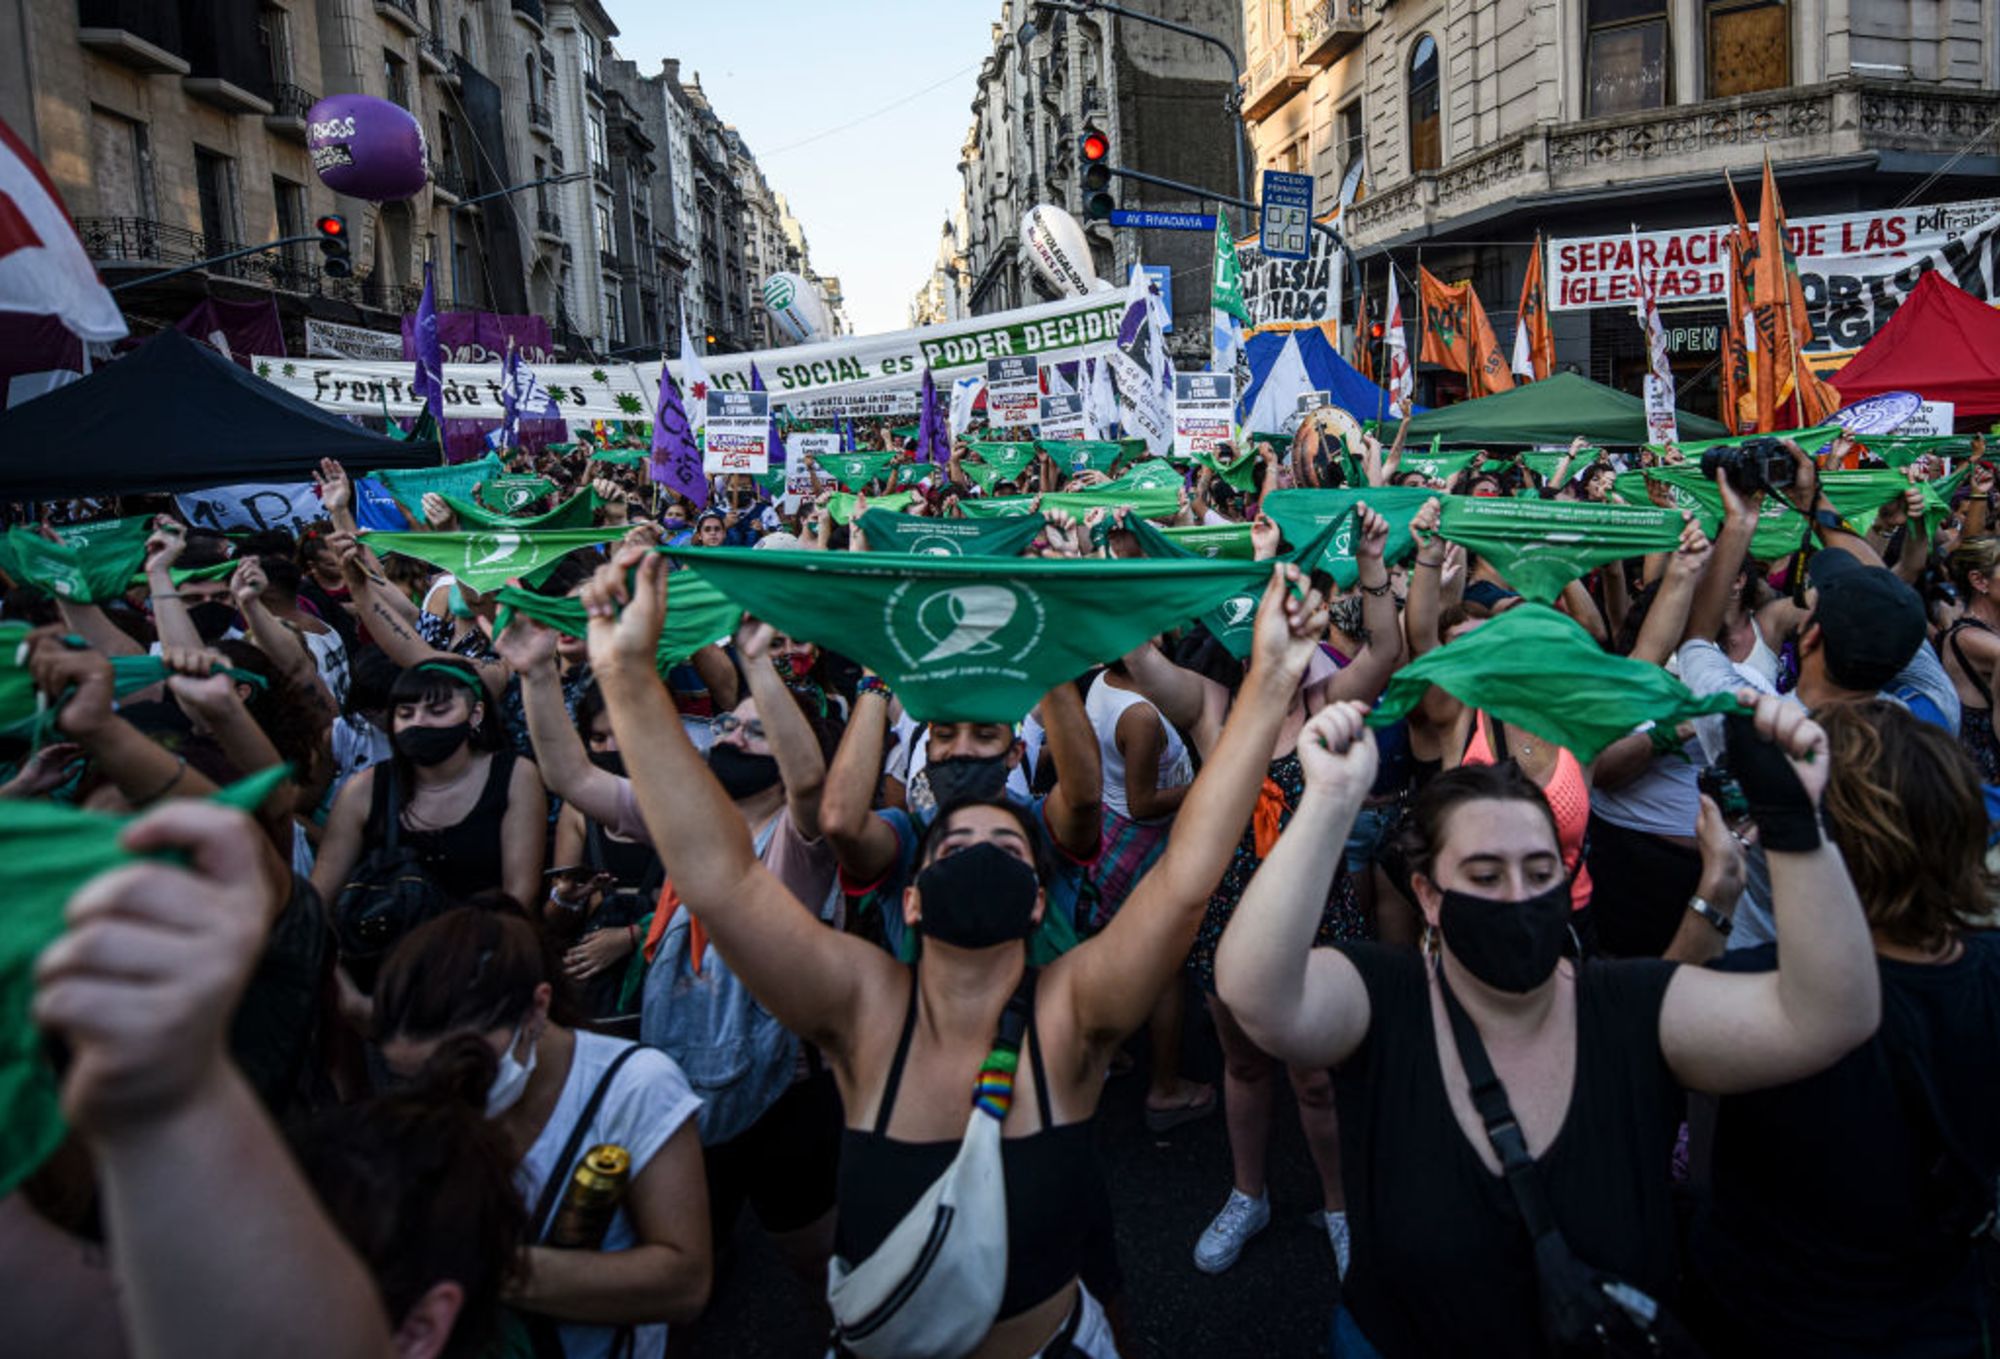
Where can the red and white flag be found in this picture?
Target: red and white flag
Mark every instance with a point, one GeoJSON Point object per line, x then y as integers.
{"type": "Point", "coordinates": [1402, 383]}
{"type": "Point", "coordinates": [43, 269]}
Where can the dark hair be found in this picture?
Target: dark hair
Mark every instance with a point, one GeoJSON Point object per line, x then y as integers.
{"type": "Point", "coordinates": [1024, 817]}
{"type": "Point", "coordinates": [204, 547]}
{"type": "Point", "coordinates": [284, 573]}
{"type": "Point", "coordinates": [1904, 805]}
{"type": "Point", "coordinates": [427, 683]}
{"type": "Point", "coordinates": [572, 571]}
{"type": "Point", "coordinates": [421, 1185]}
{"type": "Point", "coordinates": [371, 678]}
{"type": "Point", "coordinates": [278, 706]}
{"type": "Point", "coordinates": [469, 970]}
{"type": "Point", "coordinates": [1430, 814]}
{"type": "Point", "coordinates": [589, 705]}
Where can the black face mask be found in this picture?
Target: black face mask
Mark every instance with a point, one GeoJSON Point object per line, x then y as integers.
{"type": "Point", "coordinates": [740, 773]}
{"type": "Point", "coordinates": [962, 778]}
{"type": "Point", "coordinates": [1512, 946]}
{"type": "Point", "coordinates": [978, 897]}
{"type": "Point", "coordinates": [212, 619]}
{"type": "Point", "coordinates": [610, 761]}
{"type": "Point", "coordinates": [426, 746]}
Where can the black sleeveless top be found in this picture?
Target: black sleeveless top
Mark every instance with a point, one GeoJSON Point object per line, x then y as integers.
{"type": "Point", "coordinates": [462, 859]}
{"type": "Point", "coordinates": [1052, 1181]}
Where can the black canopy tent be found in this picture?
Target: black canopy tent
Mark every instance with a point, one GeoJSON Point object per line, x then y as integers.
{"type": "Point", "coordinates": [172, 416]}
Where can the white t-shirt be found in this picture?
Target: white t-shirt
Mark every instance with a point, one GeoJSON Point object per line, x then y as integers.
{"type": "Point", "coordinates": [648, 1101]}
{"type": "Point", "coordinates": [329, 653]}
{"type": "Point", "coordinates": [1105, 706]}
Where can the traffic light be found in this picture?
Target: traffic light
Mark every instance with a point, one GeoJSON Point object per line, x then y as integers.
{"type": "Point", "coordinates": [1095, 147]}
{"type": "Point", "coordinates": [333, 245]}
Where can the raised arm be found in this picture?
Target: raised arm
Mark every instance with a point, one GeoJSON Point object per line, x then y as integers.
{"type": "Point", "coordinates": [1666, 620]}
{"type": "Point", "coordinates": [1075, 805]}
{"type": "Point", "coordinates": [530, 649]}
{"type": "Point", "coordinates": [1366, 675]}
{"type": "Point", "coordinates": [1114, 979]}
{"type": "Point", "coordinates": [142, 769]}
{"type": "Point", "coordinates": [801, 761]}
{"type": "Point", "coordinates": [1307, 1005]}
{"type": "Point", "coordinates": [1732, 547]}
{"type": "Point", "coordinates": [171, 618]}
{"type": "Point", "coordinates": [863, 842]}
{"type": "Point", "coordinates": [1421, 609]}
{"type": "Point", "coordinates": [1728, 1032]}
{"type": "Point", "coordinates": [811, 978]}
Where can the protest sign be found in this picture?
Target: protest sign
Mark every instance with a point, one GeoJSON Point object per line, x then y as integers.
{"type": "Point", "coordinates": [1662, 421]}
{"type": "Point", "coordinates": [332, 340]}
{"type": "Point", "coordinates": [738, 433]}
{"type": "Point", "coordinates": [253, 505]}
{"type": "Point", "coordinates": [1013, 392]}
{"type": "Point", "coordinates": [798, 477]}
{"type": "Point", "coordinates": [1934, 418]}
{"type": "Point", "coordinates": [1285, 293]}
{"type": "Point", "coordinates": [1204, 404]}
{"type": "Point", "coordinates": [1062, 417]}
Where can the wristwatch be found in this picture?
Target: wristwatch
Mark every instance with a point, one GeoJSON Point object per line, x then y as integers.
{"type": "Point", "coordinates": [1723, 924]}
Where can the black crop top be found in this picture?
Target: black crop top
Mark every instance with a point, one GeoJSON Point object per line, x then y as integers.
{"type": "Point", "coordinates": [462, 859]}
{"type": "Point", "coordinates": [1051, 1177]}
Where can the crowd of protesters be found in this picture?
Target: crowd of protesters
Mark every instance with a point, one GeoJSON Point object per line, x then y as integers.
{"type": "Point", "coordinates": [1685, 1046]}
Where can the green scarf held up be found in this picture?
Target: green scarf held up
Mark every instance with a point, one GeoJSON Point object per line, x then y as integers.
{"type": "Point", "coordinates": [1855, 496]}
{"type": "Point", "coordinates": [24, 716]}
{"type": "Point", "coordinates": [1082, 455]}
{"type": "Point", "coordinates": [51, 851]}
{"type": "Point", "coordinates": [1540, 670]}
{"type": "Point", "coordinates": [1231, 542]}
{"type": "Point", "coordinates": [1239, 472]}
{"type": "Point", "coordinates": [841, 504]}
{"type": "Point", "coordinates": [983, 476]}
{"type": "Point", "coordinates": [1811, 440]}
{"type": "Point", "coordinates": [855, 471]}
{"type": "Point", "coordinates": [1301, 514]}
{"type": "Point", "coordinates": [513, 491]}
{"type": "Point", "coordinates": [409, 485]}
{"type": "Point", "coordinates": [621, 457]}
{"type": "Point", "coordinates": [1010, 459]}
{"type": "Point", "coordinates": [1140, 489]}
{"type": "Point", "coordinates": [973, 639]}
{"type": "Point", "coordinates": [1233, 622]}
{"type": "Point", "coordinates": [89, 564]}
{"type": "Point", "coordinates": [579, 511]}
{"type": "Point", "coordinates": [913, 473]}
{"type": "Point", "coordinates": [492, 557]}
{"type": "Point", "coordinates": [1435, 465]}
{"type": "Point", "coordinates": [1539, 546]}
{"type": "Point", "coordinates": [925, 535]}
{"type": "Point", "coordinates": [697, 616]}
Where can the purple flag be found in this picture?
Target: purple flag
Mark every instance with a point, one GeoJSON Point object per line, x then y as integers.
{"type": "Point", "coordinates": [676, 461]}
{"type": "Point", "coordinates": [429, 380]}
{"type": "Point", "coordinates": [847, 434]}
{"type": "Point", "coordinates": [933, 443]}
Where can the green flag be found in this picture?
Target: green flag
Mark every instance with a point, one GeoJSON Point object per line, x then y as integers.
{"type": "Point", "coordinates": [492, 557]}
{"type": "Point", "coordinates": [1225, 282]}
{"type": "Point", "coordinates": [1082, 455]}
{"type": "Point", "coordinates": [841, 505]}
{"type": "Point", "coordinates": [409, 485]}
{"type": "Point", "coordinates": [977, 639]}
{"type": "Point", "coordinates": [928, 536]}
{"type": "Point", "coordinates": [697, 616]}
{"type": "Point", "coordinates": [52, 850]}
{"type": "Point", "coordinates": [90, 564]}
{"type": "Point", "coordinates": [510, 492]}
{"type": "Point", "coordinates": [1540, 670]}
{"type": "Point", "coordinates": [1303, 513]}
{"type": "Point", "coordinates": [1539, 546]}
{"type": "Point", "coordinates": [579, 511]}
{"type": "Point", "coordinates": [1010, 459]}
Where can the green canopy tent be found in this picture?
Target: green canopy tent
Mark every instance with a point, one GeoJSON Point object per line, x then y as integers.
{"type": "Point", "coordinates": [1552, 411]}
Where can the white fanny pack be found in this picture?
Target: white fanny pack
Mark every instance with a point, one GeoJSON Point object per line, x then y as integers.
{"type": "Point", "coordinates": [932, 1289]}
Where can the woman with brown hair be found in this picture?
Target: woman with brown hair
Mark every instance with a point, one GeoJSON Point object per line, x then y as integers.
{"type": "Point", "coordinates": [1970, 647]}
{"type": "Point", "coordinates": [1842, 1215]}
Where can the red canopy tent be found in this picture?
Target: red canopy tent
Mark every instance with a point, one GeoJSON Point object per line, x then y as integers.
{"type": "Point", "coordinates": [1943, 344]}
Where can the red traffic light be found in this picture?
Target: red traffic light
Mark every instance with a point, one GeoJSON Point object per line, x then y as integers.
{"type": "Point", "coordinates": [1375, 331]}
{"type": "Point", "coordinates": [1096, 146]}
{"type": "Point", "coordinates": [332, 225]}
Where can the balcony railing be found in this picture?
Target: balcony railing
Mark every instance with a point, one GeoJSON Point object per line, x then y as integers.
{"type": "Point", "coordinates": [548, 221]}
{"type": "Point", "coordinates": [1329, 30]}
{"type": "Point", "coordinates": [541, 119]}
{"type": "Point", "coordinates": [144, 244]}
{"type": "Point", "coordinates": [403, 12]}
{"type": "Point", "coordinates": [608, 261]}
{"type": "Point", "coordinates": [289, 105]}
{"type": "Point", "coordinates": [448, 180]}
{"type": "Point", "coordinates": [593, 86]}
{"type": "Point", "coordinates": [1273, 79]}
{"type": "Point", "coordinates": [434, 52]}
{"type": "Point", "coordinates": [531, 10]}
{"type": "Point", "coordinates": [601, 173]}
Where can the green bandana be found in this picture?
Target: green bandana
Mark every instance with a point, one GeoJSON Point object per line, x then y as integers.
{"type": "Point", "coordinates": [856, 471]}
{"type": "Point", "coordinates": [1240, 472]}
{"type": "Point", "coordinates": [1811, 440]}
{"type": "Point", "coordinates": [490, 558]}
{"type": "Point", "coordinates": [1233, 622]}
{"type": "Point", "coordinates": [1855, 496]}
{"type": "Point", "coordinates": [1302, 514]}
{"type": "Point", "coordinates": [984, 477]}
{"type": "Point", "coordinates": [697, 616]}
{"type": "Point", "coordinates": [51, 851]}
{"type": "Point", "coordinates": [1539, 546]}
{"type": "Point", "coordinates": [1082, 455]}
{"type": "Point", "coordinates": [621, 457]}
{"type": "Point", "coordinates": [1435, 465]}
{"type": "Point", "coordinates": [23, 715]}
{"type": "Point", "coordinates": [913, 473]}
{"type": "Point", "coordinates": [409, 485]}
{"type": "Point", "coordinates": [1541, 671]}
{"type": "Point", "coordinates": [579, 511]}
{"type": "Point", "coordinates": [841, 505]}
{"type": "Point", "coordinates": [511, 492]}
{"type": "Point", "coordinates": [1010, 460]}
{"type": "Point", "coordinates": [1154, 474]}
{"type": "Point", "coordinates": [93, 563]}
{"type": "Point", "coordinates": [1231, 542]}
{"type": "Point", "coordinates": [927, 536]}
{"type": "Point", "coordinates": [970, 639]}
{"type": "Point", "coordinates": [1150, 503]}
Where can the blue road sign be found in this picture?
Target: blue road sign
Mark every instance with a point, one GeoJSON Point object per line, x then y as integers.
{"type": "Point", "coordinates": [1285, 221]}
{"type": "Point", "coordinates": [1163, 221]}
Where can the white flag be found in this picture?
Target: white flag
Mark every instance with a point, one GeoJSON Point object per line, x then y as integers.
{"type": "Point", "coordinates": [694, 381]}
{"type": "Point", "coordinates": [1141, 370]}
{"type": "Point", "coordinates": [1402, 383]}
{"type": "Point", "coordinates": [1277, 403]}
{"type": "Point", "coordinates": [43, 268]}
{"type": "Point", "coordinates": [964, 395]}
{"type": "Point", "coordinates": [1100, 402]}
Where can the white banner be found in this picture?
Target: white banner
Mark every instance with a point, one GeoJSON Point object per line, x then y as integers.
{"type": "Point", "coordinates": [332, 340]}
{"type": "Point", "coordinates": [472, 391]}
{"type": "Point", "coordinates": [1662, 422]}
{"type": "Point", "coordinates": [1296, 292]}
{"type": "Point", "coordinates": [738, 437]}
{"type": "Point", "coordinates": [1013, 393]}
{"type": "Point", "coordinates": [1203, 406]}
{"type": "Point", "coordinates": [253, 505]}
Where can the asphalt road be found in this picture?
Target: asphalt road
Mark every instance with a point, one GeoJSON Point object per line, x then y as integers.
{"type": "Point", "coordinates": [1277, 1300]}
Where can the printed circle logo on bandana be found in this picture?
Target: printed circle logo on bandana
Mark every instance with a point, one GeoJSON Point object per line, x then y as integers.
{"type": "Point", "coordinates": [485, 549]}
{"type": "Point", "coordinates": [990, 625]}
{"type": "Point", "coordinates": [1238, 610]}
{"type": "Point", "coordinates": [936, 545]}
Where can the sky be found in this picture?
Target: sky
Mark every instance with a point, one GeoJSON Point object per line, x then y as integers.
{"type": "Point", "coordinates": [809, 84]}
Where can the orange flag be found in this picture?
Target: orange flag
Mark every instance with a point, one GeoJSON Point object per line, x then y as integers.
{"type": "Point", "coordinates": [1778, 308]}
{"type": "Point", "coordinates": [1458, 336]}
{"type": "Point", "coordinates": [1737, 409]}
{"type": "Point", "coordinates": [1534, 342]}
{"type": "Point", "coordinates": [1363, 364]}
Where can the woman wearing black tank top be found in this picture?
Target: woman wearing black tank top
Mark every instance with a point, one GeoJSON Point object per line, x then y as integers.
{"type": "Point", "coordinates": [905, 1043]}
{"type": "Point", "coordinates": [1594, 1059]}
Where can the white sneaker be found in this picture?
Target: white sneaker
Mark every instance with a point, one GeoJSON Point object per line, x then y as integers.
{"type": "Point", "coordinates": [1240, 1219]}
{"type": "Point", "coordinates": [1343, 1245]}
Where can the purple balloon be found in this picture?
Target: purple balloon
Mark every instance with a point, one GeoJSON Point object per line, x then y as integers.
{"type": "Point", "coordinates": [366, 147]}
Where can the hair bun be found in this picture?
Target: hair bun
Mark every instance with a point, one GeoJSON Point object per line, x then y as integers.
{"type": "Point", "coordinates": [461, 1069]}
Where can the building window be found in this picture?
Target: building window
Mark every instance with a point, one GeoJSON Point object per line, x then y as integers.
{"type": "Point", "coordinates": [288, 198]}
{"type": "Point", "coordinates": [1426, 144]}
{"type": "Point", "coordinates": [1347, 126]}
{"type": "Point", "coordinates": [1749, 46]}
{"type": "Point", "coordinates": [1625, 57]}
{"type": "Point", "coordinates": [606, 240]}
{"type": "Point", "coordinates": [215, 191]}
{"type": "Point", "coordinates": [599, 157]}
{"type": "Point", "coordinates": [274, 35]}
{"type": "Point", "coordinates": [121, 166]}
{"type": "Point", "coordinates": [589, 46]}
{"type": "Point", "coordinates": [395, 79]}
{"type": "Point", "coordinates": [614, 319]}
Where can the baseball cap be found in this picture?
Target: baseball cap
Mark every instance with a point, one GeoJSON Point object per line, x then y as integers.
{"type": "Point", "coordinates": [1871, 622]}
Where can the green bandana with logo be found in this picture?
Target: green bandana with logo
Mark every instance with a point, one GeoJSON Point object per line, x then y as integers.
{"type": "Point", "coordinates": [1811, 440]}
{"type": "Point", "coordinates": [1540, 670]}
{"type": "Point", "coordinates": [621, 457]}
{"type": "Point", "coordinates": [510, 493]}
{"type": "Point", "coordinates": [410, 485]}
{"type": "Point", "coordinates": [1855, 496]}
{"type": "Point", "coordinates": [984, 477]}
{"type": "Point", "coordinates": [52, 850]}
{"type": "Point", "coordinates": [913, 473]}
{"type": "Point", "coordinates": [1147, 502]}
{"type": "Point", "coordinates": [697, 616]}
{"type": "Point", "coordinates": [90, 564]}
{"type": "Point", "coordinates": [491, 558]}
{"type": "Point", "coordinates": [927, 536]}
{"type": "Point", "coordinates": [1083, 455]}
{"type": "Point", "coordinates": [841, 504]}
{"type": "Point", "coordinates": [1436, 465]}
{"type": "Point", "coordinates": [1233, 622]}
{"type": "Point", "coordinates": [25, 717]}
{"type": "Point", "coordinates": [976, 639]}
{"type": "Point", "coordinates": [1301, 514]}
{"type": "Point", "coordinates": [1010, 460]}
{"type": "Point", "coordinates": [1539, 546]}
{"type": "Point", "coordinates": [1239, 472]}
{"type": "Point", "coordinates": [579, 511]}
{"type": "Point", "coordinates": [1231, 542]}
{"type": "Point", "coordinates": [856, 471]}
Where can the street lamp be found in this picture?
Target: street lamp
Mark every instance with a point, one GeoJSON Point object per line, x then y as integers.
{"type": "Point", "coordinates": [1230, 102]}
{"type": "Point", "coordinates": [451, 215]}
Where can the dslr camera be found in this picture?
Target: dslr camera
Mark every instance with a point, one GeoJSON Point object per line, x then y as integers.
{"type": "Point", "coordinates": [1751, 466]}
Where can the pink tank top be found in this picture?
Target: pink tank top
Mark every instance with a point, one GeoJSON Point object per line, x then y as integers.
{"type": "Point", "coordinates": [1569, 798]}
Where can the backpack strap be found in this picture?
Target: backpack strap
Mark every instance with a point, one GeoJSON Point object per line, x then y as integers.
{"type": "Point", "coordinates": [565, 1164]}
{"type": "Point", "coordinates": [1489, 1097]}
{"type": "Point", "coordinates": [1971, 671]}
